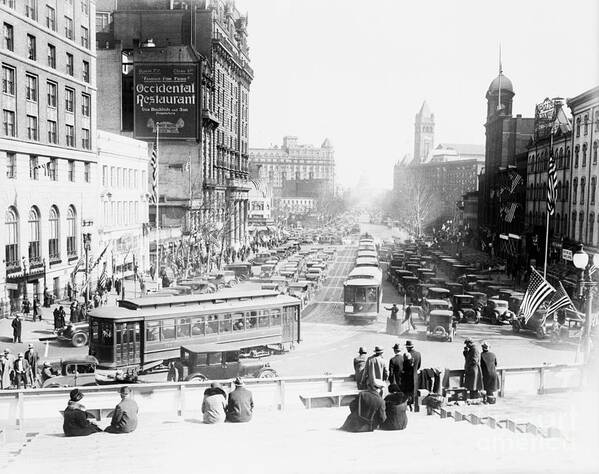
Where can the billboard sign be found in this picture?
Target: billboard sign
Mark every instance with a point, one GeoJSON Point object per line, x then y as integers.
{"type": "Point", "coordinates": [545, 114]}
{"type": "Point", "coordinates": [166, 97]}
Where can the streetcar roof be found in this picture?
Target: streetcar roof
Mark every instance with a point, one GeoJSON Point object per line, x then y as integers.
{"type": "Point", "coordinates": [367, 261]}
{"type": "Point", "coordinates": [373, 282]}
{"type": "Point", "coordinates": [216, 347]}
{"type": "Point", "coordinates": [137, 303]}
{"type": "Point", "coordinates": [365, 272]}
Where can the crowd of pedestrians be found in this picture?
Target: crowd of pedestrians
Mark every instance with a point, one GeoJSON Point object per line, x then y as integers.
{"type": "Point", "coordinates": [21, 371]}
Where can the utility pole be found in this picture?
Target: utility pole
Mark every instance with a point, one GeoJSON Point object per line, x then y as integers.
{"type": "Point", "coordinates": [87, 238]}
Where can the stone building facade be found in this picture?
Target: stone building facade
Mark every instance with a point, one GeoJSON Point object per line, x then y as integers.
{"type": "Point", "coordinates": [48, 106]}
{"type": "Point", "coordinates": [424, 134]}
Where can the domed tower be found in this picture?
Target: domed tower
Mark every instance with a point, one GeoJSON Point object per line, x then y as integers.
{"type": "Point", "coordinates": [500, 96]}
{"type": "Point", "coordinates": [424, 133]}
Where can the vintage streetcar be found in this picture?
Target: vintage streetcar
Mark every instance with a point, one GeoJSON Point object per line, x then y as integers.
{"type": "Point", "coordinates": [145, 334]}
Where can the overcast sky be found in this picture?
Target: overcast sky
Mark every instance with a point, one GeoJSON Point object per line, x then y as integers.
{"type": "Point", "coordinates": [358, 71]}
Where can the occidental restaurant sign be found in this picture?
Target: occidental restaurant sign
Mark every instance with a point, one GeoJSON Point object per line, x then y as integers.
{"type": "Point", "coordinates": [166, 96]}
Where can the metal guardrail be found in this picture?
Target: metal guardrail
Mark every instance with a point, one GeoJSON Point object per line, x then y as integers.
{"type": "Point", "coordinates": [275, 393]}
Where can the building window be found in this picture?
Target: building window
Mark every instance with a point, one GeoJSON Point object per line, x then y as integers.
{"type": "Point", "coordinates": [34, 236]}
{"type": "Point", "coordinates": [85, 71]}
{"type": "Point", "coordinates": [578, 127]}
{"type": "Point", "coordinates": [586, 125]}
{"type": "Point", "coordinates": [52, 56]}
{"type": "Point", "coordinates": [85, 105]}
{"type": "Point", "coordinates": [11, 249]}
{"type": "Point", "coordinates": [85, 7]}
{"type": "Point", "coordinates": [32, 127]}
{"type": "Point", "coordinates": [84, 37]}
{"type": "Point", "coordinates": [8, 122]}
{"type": "Point", "coordinates": [69, 99]}
{"type": "Point", "coordinates": [31, 9]}
{"type": "Point", "coordinates": [576, 153]}
{"type": "Point", "coordinates": [52, 132]}
{"type": "Point", "coordinates": [52, 94]}
{"type": "Point", "coordinates": [582, 189]}
{"type": "Point", "coordinates": [71, 232]}
{"type": "Point", "coordinates": [581, 225]}
{"type": "Point", "coordinates": [11, 165]}
{"type": "Point", "coordinates": [50, 18]}
{"type": "Point", "coordinates": [584, 154]}
{"type": "Point", "coordinates": [102, 22]}
{"type": "Point", "coordinates": [595, 153]}
{"type": "Point", "coordinates": [104, 175]}
{"type": "Point", "coordinates": [68, 27]}
{"type": "Point", "coordinates": [9, 37]}
{"type": "Point", "coordinates": [9, 3]}
{"type": "Point", "coordinates": [574, 190]}
{"type": "Point", "coordinates": [71, 170]}
{"type": "Point", "coordinates": [33, 167]}
{"type": "Point", "coordinates": [54, 232]}
{"type": "Point", "coordinates": [70, 135]}
{"type": "Point", "coordinates": [8, 80]}
{"type": "Point", "coordinates": [593, 189]}
{"type": "Point", "coordinates": [591, 227]}
{"type": "Point", "coordinates": [31, 48]}
{"type": "Point", "coordinates": [85, 140]}
{"type": "Point", "coordinates": [69, 64]}
{"type": "Point", "coordinates": [31, 87]}
{"type": "Point", "coordinates": [87, 172]}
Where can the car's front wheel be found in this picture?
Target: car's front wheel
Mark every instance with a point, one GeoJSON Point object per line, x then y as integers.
{"type": "Point", "coordinates": [197, 378]}
{"type": "Point", "coordinates": [267, 374]}
{"type": "Point", "coordinates": [79, 339]}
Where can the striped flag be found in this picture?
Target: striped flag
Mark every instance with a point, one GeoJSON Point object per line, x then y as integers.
{"type": "Point", "coordinates": [551, 185]}
{"type": "Point", "coordinates": [559, 300]}
{"type": "Point", "coordinates": [538, 290]}
{"type": "Point", "coordinates": [516, 180]}
{"type": "Point", "coordinates": [103, 278]}
{"type": "Point", "coordinates": [154, 173]}
{"type": "Point", "coordinates": [594, 266]}
{"type": "Point", "coordinates": [511, 212]}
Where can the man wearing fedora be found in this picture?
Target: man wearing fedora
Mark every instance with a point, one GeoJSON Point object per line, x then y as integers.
{"type": "Point", "coordinates": [124, 417]}
{"type": "Point", "coordinates": [488, 365]}
{"type": "Point", "coordinates": [409, 379]}
{"type": "Point", "coordinates": [375, 372]}
{"type": "Point", "coordinates": [359, 365]}
{"type": "Point", "coordinates": [76, 419]}
{"type": "Point", "coordinates": [396, 366]}
{"type": "Point", "coordinates": [241, 404]}
{"type": "Point", "coordinates": [473, 377]}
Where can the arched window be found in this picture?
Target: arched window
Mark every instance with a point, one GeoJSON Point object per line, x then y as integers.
{"type": "Point", "coordinates": [565, 224]}
{"type": "Point", "coordinates": [11, 248]}
{"type": "Point", "coordinates": [586, 124]}
{"type": "Point", "coordinates": [574, 190]}
{"type": "Point", "coordinates": [34, 235]}
{"type": "Point", "coordinates": [54, 234]}
{"type": "Point", "coordinates": [561, 157]}
{"type": "Point", "coordinates": [578, 127]}
{"type": "Point", "coordinates": [595, 144]}
{"type": "Point", "coordinates": [591, 228]}
{"type": "Point", "coordinates": [582, 189]}
{"type": "Point", "coordinates": [581, 226]}
{"type": "Point", "coordinates": [559, 190]}
{"type": "Point", "coordinates": [573, 221]}
{"type": "Point", "coordinates": [584, 154]}
{"type": "Point", "coordinates": [593, 189]}
{"type": "Point", "coordinates": [71, 232]}
{"type": "Point", "coordinates": [566, 191]}
{"type": "Point", "coordinates": [568, 157]}
{"type": "Point", "coordinates": [576, 153]}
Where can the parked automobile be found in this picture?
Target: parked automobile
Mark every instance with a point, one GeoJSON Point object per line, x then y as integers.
{"type": "Point", "coordinates": [539, 323]}
{"type": "Point", "coordinates": [72, 372]}
{"type": "Point", "coordinates": [464, 309]}
{"type": "Point", "coordinates": [497, 312]}
{"type": "Point", "coordinates": [441, 325]}
{"type": "Point", "coordinates": [75, 333]}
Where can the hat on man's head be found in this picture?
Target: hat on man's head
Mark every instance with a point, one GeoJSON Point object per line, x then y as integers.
{"type": "Point", "coordinates": [484, 344]}
{"type": "Point", "coordinates": [409, 344]}
{"type": "Point", "coordinates": [20, 354]}
{"type": "Point", "coordinates": [7, 351]}
{"type": "Point", "coordinates": [395, 347]}
{"type": "Point", "coordinates": [378, 350]}
{"type": "Point", "coordinates": [125, 390]}
{"type": "Point", "coordinates": [30, 346]}
{"type": "Point", "coordinates": [361, 351]}
{"type": "Point", "coordinates": [76, 395]}
{"type": "Point", "coordinates": [468, 341]}
{"type": "Point", "coordinates": [238, 381]}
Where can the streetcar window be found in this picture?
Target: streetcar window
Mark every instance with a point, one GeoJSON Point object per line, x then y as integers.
{"type": "Point", "coordinates": [238, 324]}
{"type": "Point", "coordinates": [118, 334]}
{"type": "Point", "coordinates": [167, 331]}
{"type": "Point", "coordinates": [94, 332]}
{"type": "Point", "coordinates": [263, 319]}
{"type": "Point", "coordinates": [360, 295]}
{"type": "Point", "coordinates": [252, 319]}
{"type": "Point", "coordinates": [212, 324]}
{"type": "Point", "coordinates": [198, 327]}
{"type": "Point", "coordinates": [152, 331]}
{"type": "Point", "coordinates": [183, 327]}
{"type": "Point", "coordinates": [371, 295]}
{"type": "Point", "coordinates": [275, 317]}
{"type": "Point", "coordinates": [106, 335]}
{"type": "Point", "coordinates": [225, 323]}
{"type": "Point", "coordinates": [349, 293]}
{"type": "Point", "coordinates": [215, 358]}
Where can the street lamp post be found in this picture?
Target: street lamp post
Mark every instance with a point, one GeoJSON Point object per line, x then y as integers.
{"type": "Point", "coordinates": [582, 262]}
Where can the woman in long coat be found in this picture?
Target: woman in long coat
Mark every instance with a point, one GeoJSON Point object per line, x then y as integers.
{"type": "Point", "coordinates": [5, 370]}
{"type": "Point", "coordinates": [396, 404]}
{"type": "Point", "coordinates": [472, 371]}
{"type": "Point", "coordinates": [488, 365]}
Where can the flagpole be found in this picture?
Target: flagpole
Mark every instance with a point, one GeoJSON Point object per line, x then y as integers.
{"type": "Point", "coordinates": [547, 210]}
{"type": "Point", "coordinates": [157, 202]}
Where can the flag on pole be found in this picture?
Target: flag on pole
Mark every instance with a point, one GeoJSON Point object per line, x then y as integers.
{"type": "Point", "coordinates": [97, 261]}
{"type": "Point", "coordinates": [551, 185]}
{"type": "Point", "coordinates": [103, 278]}
{"type": "Point", "coordinates": [511, 212]}
{"type": "Point", "coordinates": [516, 179]}
{"type": "Point", "coordinates": [559, 300]}
{"type": "Point", "coordinates": [538, 290]}
{"type": "Point", "coordinates": [594, 266]}
{"type": "Point", "coordinates": [154, 172]}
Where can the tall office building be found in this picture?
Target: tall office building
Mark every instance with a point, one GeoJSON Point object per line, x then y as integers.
{"type": "Point", "coordinates": [424, 134]}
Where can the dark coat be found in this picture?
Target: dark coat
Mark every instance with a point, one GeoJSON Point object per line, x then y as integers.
{"type": "Point", "coordinates": [411, 367]}
{"type": "Point", "coordinates": [473, 379]}
{"type": "Point", "coordinates": [367, 413]}
{"type": "Point", "coordinates": [124, 418]}
{"type": "Point", "coordinates": [375, 372]}
{"type": "Point", "coordinates": [17, 326]}
{"type": "Point", "coordinates": [488, 365]}
{"type": "Point", "coordinates": [359, 366]}
{"type": "Point", "coordinates": [396, 405]}
{"type": "Point", "coordinates": [33, 358]}
{"type": "Point", "coordinates": [240, 406]}
{"type": "Point", "coordinates": [76, 422]}
{"type": "Point", "coordinates": [396, 369]}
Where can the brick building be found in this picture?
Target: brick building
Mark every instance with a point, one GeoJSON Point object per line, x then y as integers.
{"type": "Point", "coordinates": [47, 140]}
{"type": "Point", "coordinates": [203, 156]}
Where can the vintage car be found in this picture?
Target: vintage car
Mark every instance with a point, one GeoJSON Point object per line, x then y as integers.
{"type": "Point", "coordinates": [515, 301]}
{"type": "Point", "coordinates": [75, 333]}
{"type": "Point", "coordinates": [314, 274]}
{"type": "Point", "coordinates": [497, 312]}
{"type": "Point", "coordinates": [242, 270]}
{"type": "Point", "coordinates": [441, 325]}
{"type": "Point", "coordinates": [199, 286]}
{"type": "Point", "coordinates": [455, 288]}
{"type": "Point", "coordinates": [539, 323]}
{"type": "Point", "coordinates": [224, 361]}
{"type": "Point", "coordinates": [223, 279]}
{"type": "Point", "coordinates": [438, 293]}
{"type": "Point", "coordinates": [72, 372]}
{"type": "Point", "coordinates": [429, 305]}
{"type": "Point", "coordinates": [464, 309]}
{"type": "Point", "coordinates": [480, 299]}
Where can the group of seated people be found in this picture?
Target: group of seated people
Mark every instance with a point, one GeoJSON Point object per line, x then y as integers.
{"type": "Point", "coordinates": [237, 407]}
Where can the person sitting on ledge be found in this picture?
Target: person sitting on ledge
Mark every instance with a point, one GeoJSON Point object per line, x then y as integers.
{"type": "Point", "coordinates": [241, 404]}
{"type": "Point", "coordinates": [124, 418]}
{"type": "Point", "coordinates": [367, 412]}
{"type": "Point", "coordinates": [396, 404]}
{"type": "Point", "coordinates": [214, 404]}
{"type": "Point", "coordinates": [76, 422]}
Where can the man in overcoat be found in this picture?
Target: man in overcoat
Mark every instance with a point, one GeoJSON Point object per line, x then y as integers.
{"type": "Point", "coordinates": [412, 361]}
{"type": "Point", "coordinates": [367, 412]}
{"type": "Point", "coordinates": [359, 365]}
{"type": "Point", "coordinates": [488, 365]}
{"type": "Point", "coordinates": [17, 328]}
{"type": "Point", "coordinates": [375, 372]}
{"type": "Point", "coordinates": [473, 380]}
{"type": "Point", "coordinates": [32, 358]}
{"type": "Point", "coordinates": [396, 366]}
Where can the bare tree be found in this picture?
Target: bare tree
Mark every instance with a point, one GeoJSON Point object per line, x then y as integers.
{"type": "Point", "coordinates": [417, 204]}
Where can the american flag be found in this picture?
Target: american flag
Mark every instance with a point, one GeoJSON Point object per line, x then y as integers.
{"type": "Point", "coordinates": [551, 185]}
{"type": "Point", "coordinates": [538, 290]}
{"type": "Point", "coordinates": [154, 172]}
{"type": "Point", "coordinates": [511, 212]}
{"type": "Point", "coordinates": [516, 179]}
{"type": "Point", "coordinates": [103, 278]}
{"type": "Point", "coordinates": [559, 300]}
{"type": "Point", "coordinates": [594, 266]}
